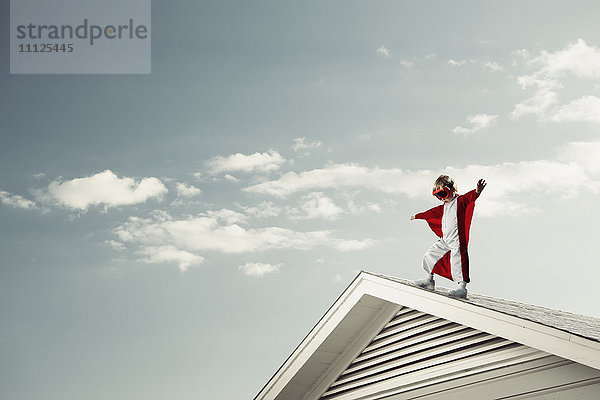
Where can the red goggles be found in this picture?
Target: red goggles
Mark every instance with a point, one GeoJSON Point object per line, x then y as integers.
{"type": "Point", "coordinates": [442, 193]}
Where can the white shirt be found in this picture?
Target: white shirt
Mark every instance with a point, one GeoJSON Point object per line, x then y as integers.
{"type": "Point", "coordinates": [450, 222]}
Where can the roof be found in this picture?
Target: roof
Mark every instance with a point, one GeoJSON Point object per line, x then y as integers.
{"type": "Point", "coordinates": [580, 325]}
{"type": "Point", "coordinates": [372, 300]}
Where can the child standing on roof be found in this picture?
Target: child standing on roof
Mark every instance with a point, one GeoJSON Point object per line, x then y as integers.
{"type": "Point", "coordinates": [451, 221]}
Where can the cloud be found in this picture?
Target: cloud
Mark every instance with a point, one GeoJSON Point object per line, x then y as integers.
{"type": "Point", "coordinates": [169, 254]}
{"type": "Point", "coordinates": [316, 205]}
{"type": "Point", "coordinates": [405, 63]}
{"type": "Point", "coordinates": [454, 63]}
{"type": "Point", "coordinates": [544, 98]}
{"type": "Point", "coordinates": [103, 188]}
{"type": "Point", "coordinates": [514, 187]}
{"type": "Point", "coordinates": [493, 66]}
{"type": "Point", "coordinates": [577, 59]}
{"type": "Point", "coordinates": [184, 190]}
{"type": "Point", "coordinates": [258, 269]}
{"type": "Point", "coordinates": [163, 238]}
{"type": "Point", "coordinates": [383, 50]}
{"type": "Point", "coordinates": [227, 216]}
{"type": "Point", "coordinates": [261, 162]}
{"type": "Point", "coordinates": [393, 181]}
{"type": "Point", "coordinates": [231, 178]}
{"type": "Point", "coordinates": [518, 187]}
{"type": "Point", "coordinates": [552, 72]}
{"type": "Point", "coordinates": [115, 245]}
{"type": "Point", "coordinates": [16, 201]}
{"type": "Point", "coordinates": [586, 108]}
{"type": "Point", "coordinates": [476, 123]}
{"type": "Point", "coordinates": [265, 209]}
{"type": "Point", "coordinates": [586, 154]}
{"type": "Point", "coordinates": [302, 143]}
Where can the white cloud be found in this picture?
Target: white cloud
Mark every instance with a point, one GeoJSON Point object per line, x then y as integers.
{"type": "Point", "coordinates": [261, 162]}
{"type": "Point", "coordinates": [493, 66]}
{"type": "Point", "coordinates": [586, 154]}
{"type": "Point", "coordinates": [258, 269]}
{"type": "Point", "coordinates": [383, 50]}
{"type": "Point", "coordinates": [187, 190]}
{"type": "Point", "coordinates": [231, 178]}
{"type": "Point", "coordinates": [16, 201]}
{"type": "Point", "coordinates": [405, 63]}
{"type": "Point", "coordinates": [454, 63]}
{"type": "Point", "coordinates": [265, 209]}
{"type": "Point", "coordinates": [476, 123]}
{"type": "Point", "coordinates": [514, 187]}
{"type": "Point", "coordinates": [345, 175]}
{"type": "Point", "coordinates": [169, 254]}
{"type": "Point", "coordinates": [228, 216]}
{"type": "Point", "coordinates": [577, 59]}
{"type": "Point", "coordinates": [316, 205]}
{"type": "Point", "coordinates": [538, 104]}
{"type": "Point", "coordinates": [586, 108]}
{"type": "Point", "coordinates": [553, 71]}
{"type": "Point", "coordinates": [374, 207]}
{"type": "Point", "coordinates": [162, 237]}
{"type": "Point", "coordinates": [302, 143]}
{"type": "Point", "coordinates": [103, 188]}
{"type": "Point", "coordinates": [115, 244]}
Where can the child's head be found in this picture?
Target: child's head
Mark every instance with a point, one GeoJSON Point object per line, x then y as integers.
{"type": "Point", "coordinates": [444, 188]}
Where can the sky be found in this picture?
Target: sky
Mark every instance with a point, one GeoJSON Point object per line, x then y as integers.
{"type": "Point", "coordinates": [177, 234]}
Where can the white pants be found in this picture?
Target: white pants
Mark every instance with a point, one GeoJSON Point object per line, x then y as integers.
{"type": "Point", "coordinates": [437, 251]}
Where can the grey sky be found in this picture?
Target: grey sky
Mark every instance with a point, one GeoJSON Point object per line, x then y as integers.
{"type": "Point", "coordinates": [140, 258]}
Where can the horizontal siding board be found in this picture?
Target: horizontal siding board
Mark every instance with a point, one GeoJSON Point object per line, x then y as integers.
{"type": "Point", "coordinates": [389, 370]}
{"type": "Point", "coordinates": [411, 323]}
{"type": "Point", "coordinates": [404, 317]}
{"type": "Point", "coordinates": [402, 350]}
{"type": "Point", "coordinates": [414, 332]}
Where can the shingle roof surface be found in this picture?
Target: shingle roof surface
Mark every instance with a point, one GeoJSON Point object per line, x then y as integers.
{"type": "Point", "coordinates": [579, 325]}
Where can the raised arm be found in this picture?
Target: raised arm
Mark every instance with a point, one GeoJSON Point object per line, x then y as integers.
{"type": "Point", "coordinates": [473, 194]}
{"type": "Point", "coordinates": [481, 184]}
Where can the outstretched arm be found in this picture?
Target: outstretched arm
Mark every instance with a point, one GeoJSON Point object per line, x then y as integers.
{"type": "Point", "coordinates": [431, 213]}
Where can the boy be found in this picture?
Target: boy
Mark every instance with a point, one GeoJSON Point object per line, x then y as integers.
{"type": "Point", "coordinates": [451, 221]}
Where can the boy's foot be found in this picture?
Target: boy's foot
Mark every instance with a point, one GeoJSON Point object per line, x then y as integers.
{"type": "Point", "coordinates": [460, 292]}
{"type": "Point", "coordinates": [428, 284]}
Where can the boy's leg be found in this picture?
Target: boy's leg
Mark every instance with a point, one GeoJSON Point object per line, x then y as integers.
{"type": "Point", "coordinates": [431, 257]}
{"type": "Point", "coordinates": [456, 264]}
{"type": "Point", "coordinates": [457, 274]}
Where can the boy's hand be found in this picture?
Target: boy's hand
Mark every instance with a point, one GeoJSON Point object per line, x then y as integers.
{"type": "Point", "coordinates": [481, 184]}
{"type": "Point", "coordinates": [412, 217]}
